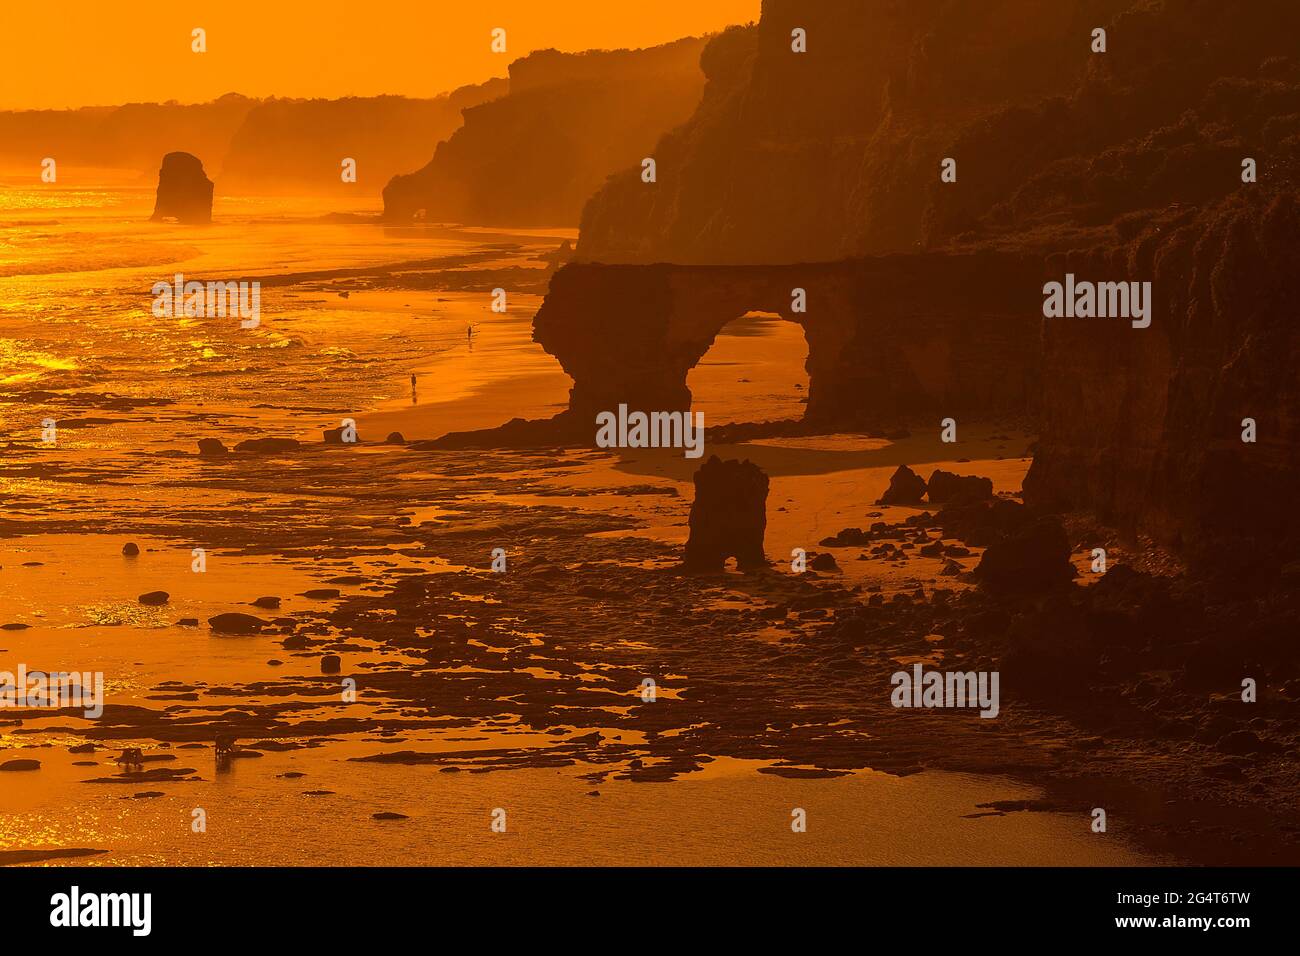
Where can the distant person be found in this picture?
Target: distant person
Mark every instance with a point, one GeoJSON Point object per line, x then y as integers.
{"type": "Point", "coordinates": [412, 388]}
{"type": "Point", "coordinates": [469, 336]}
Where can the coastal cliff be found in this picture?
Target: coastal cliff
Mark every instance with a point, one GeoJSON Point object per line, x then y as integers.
{"type": "Point", "coordinates": [534, 155]}
{"type": "Point", "coordinates": [297, 146]}
{"type": "Point", "coordinates": [1125, 164]}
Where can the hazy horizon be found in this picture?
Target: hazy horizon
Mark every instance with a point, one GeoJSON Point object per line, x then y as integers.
{"type": "Point", "coordinates": [76, 61]}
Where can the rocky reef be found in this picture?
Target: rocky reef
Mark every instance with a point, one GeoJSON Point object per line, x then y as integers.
{"type": "Point", "coordinates": [534, 155]}
{"type": "Point", "coordinates": [184, 191]}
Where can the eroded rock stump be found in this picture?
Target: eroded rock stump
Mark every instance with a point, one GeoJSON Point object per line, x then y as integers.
{"type": "Point", "coordinates": [728, 517]}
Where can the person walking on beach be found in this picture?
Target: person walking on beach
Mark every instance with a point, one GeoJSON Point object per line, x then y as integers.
{"type": "Point", "coordinates": [412, 388]}
{"type": "Point", "coordinates": [469, 336]}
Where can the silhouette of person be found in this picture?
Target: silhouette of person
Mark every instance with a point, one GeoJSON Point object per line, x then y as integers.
{"type": "Point", "coordinates": [412, 388]}
{"type": "Point", "coordinates": [469, 336]}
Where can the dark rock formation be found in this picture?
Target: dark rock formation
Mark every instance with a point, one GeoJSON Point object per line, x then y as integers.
{"type": "Point", "coordinates": [1032, 560]}
{"type": "Point", "coordinates": [944, 486]}
{"type": "Point", "coordinates": [155, 598]}
{"type": "Point", "coordinates": [906, 487]}
{"type": "Point", "coordinates": [130, 549]}
{"type": "Point", "coordinates": [212, 448]}
{"type": "Point", "coordinates": [728, 517]}
{"type": "Point", "coordinates": [184, 191]}
{"type": "Point", "coordinates": [395, 438]}
{"type": "Point", "coordinates": [534, 156]}
{"type": "Point", "coordinates": [331, 664]}
{"type": "Point", "coordinates": [885, 340]}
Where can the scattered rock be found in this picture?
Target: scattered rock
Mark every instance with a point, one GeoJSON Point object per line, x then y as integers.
{"type": "Point", "coordinates": [321, 594]}
{"type": "Point", "coordinates": [331, 664]}
{"type": "Point", "coordinates": [188, 622]}
{"type": "Point", "coordinates": [154, 598]}
{"type": "Point", "coordinates": [824, 562]}
{"type": "Point", "coordinates": [395, 438]}
{"type": "Point", "coordinates": [389, 815]}
{"type": "Point", "coordinates": [130, 549]}
{"type": "Point", "coordinates": [269, 603]}
{"type": "Point", "coordinates": [212, 448]}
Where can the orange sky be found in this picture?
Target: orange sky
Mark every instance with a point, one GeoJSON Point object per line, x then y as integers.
{"type": "Point", "coordinates": [101, 52]}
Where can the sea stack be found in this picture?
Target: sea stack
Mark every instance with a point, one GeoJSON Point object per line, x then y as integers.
{"type": "Point", "coordinates": [728, 517]}
{"type": "Point", "coordinates": [184, 190]}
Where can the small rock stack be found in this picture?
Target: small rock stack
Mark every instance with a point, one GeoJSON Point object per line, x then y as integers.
{"type": "Point", "coordinates": [728, 517]}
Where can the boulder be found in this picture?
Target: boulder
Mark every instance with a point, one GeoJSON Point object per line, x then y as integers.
{"type": "Point", "coordinates": [130, 549]}
{"type": "Point", "coordinates": [944, 486]}
{"type": "Point", "coordinates": [236, 623]}
{"type": "Point", "coordinates": [728, 517]}
{"type": "Point", "coordinates": [334, 436]}
{"type": "Point", "coordinates": [184, 191]}
{"type": "Point", "coordinates": [395, 438]}
{"type": "Point", "coordinates": [212, 448]}
{"type": "Point", "coordinates": [1033, 560]}
{"type": "Point", "coordinates": [331, 664]}
{"type": "Point", "coordinates": [22, 763]}
{"type": "Point", "coordinates": [154, 598]}
{"type": "Point", "coordinates": [906, 487]}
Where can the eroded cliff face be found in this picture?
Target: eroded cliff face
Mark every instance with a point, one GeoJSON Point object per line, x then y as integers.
{"type": "Point", "coordinates": [288, 146]}
{"type": "Point", "coordinates": [832, 153]}
{"type": "Point", "coordinates": [532, 157]}
{"type": "Point", "coordinates": [1145, 426]}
